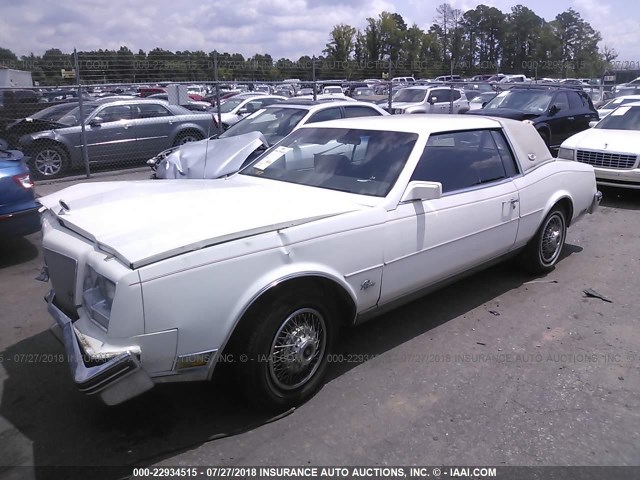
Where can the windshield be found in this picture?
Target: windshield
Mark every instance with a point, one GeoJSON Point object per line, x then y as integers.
{"type": "Point", "coordinates": [528, 101]}
{"type": "Point", "coordinates": [619, 101]}
{"type": "Point", "coordinates": [622, 118]}
{"type": "Point", "coordinates": [410, 95]}
{"type": "Point", "coordinates": [364, 162]}
{"type": "Point", "coordinates": [228, 105]}
{"type": "Point", "coordinates": [483, 97]}
{"type": "Point", "coordinates": [273, 123]}
{"type": "Point", "coordinates": [53, 113]}
{"type": "Point", "coordinates": [72, 119]}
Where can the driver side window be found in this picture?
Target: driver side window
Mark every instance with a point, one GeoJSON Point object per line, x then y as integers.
{"type": "Point", "coordinates": [324, 115]}
{"type": "Point", "coordinates": [116, 113]}
{"type": "Point", "coordinates": [460, 160]}
{"type": "Point", "coordinates": [561, 101]}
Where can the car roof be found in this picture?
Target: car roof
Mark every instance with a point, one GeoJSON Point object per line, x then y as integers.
{"type": "Point", "coordinates": [312, 104]}
{"type": "Point", "coordinates": [132, 100]}
{"type": "Point", "coordinates": [624, 97]}
{"type": "Point", "coordinates": [430, 87]}
{"type": "Point", "coordinates": [416, 123]}
{"type": "Point", "coordinates": [547, 86]}
{"type": "Point", "coordinates": [633, 104]}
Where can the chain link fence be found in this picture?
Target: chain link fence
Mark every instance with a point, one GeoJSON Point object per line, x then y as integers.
{"type": "Point", "coordinates": [98, 112]}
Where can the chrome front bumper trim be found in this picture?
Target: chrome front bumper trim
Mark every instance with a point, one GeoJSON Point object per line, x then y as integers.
{"type": "Point", "coordinates": [595, 203]}
{"type": "Point", "coordinates": [97, 378]}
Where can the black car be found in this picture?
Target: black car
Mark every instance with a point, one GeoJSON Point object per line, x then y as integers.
{"type": "Point", "coordinates": [556, 112]}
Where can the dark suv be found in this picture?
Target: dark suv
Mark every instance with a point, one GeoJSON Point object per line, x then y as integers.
{"type": "Point", "coordinates": [556, 112]}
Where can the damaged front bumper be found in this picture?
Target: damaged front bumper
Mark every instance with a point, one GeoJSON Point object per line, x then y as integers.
{"type": "Point", "coordinates": [116, 377]}
{"type": "Point", "coordinates": [595, 203]}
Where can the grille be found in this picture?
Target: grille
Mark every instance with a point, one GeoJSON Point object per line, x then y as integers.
{"type": "Point", "coordinates": [607, 160]}
{"type": "Point", "coordinates": [62, 272]}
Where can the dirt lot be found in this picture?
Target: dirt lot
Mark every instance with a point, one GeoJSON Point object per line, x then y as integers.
{"type": "Point", "coordinates": [498, 369]}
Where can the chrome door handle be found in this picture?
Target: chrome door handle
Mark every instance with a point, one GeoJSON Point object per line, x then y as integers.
{"type": "Point", "coordinates": [513, 202]}
{"type": "Point", "coordinates": [571, 118]}
{"type": "Point", "coordinates": [128, 125]}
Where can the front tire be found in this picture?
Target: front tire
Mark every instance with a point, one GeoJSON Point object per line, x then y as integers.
{"type": "Point", "coordinates": [285, 356]}
{"type": "Point", "coordinates": [49, 161]}
{"type": "Point", "coordinates": [543, 250]}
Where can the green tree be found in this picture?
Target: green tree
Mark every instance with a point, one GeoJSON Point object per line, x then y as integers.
{"type": "Point", "coordinates": [8, 59]}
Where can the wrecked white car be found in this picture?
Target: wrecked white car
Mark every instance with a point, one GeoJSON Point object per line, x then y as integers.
{"type": "Point", "coordinates": [339, 222]}
{"type": "Point", "coordinates": [219, 155]}
{"type": "Point", "coordinates": [211, 158]}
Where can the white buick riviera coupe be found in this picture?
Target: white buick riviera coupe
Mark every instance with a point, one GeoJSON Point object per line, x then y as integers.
{"type": "Point", "coordinates": [337, 223]}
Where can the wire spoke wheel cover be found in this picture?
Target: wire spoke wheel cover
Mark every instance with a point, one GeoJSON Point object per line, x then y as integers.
{"type": "Point", "coordinates": [297, 349]}
{"type": "Point", "coordinates": [48, 162]}
{"type": "Point", "coordinates": [552, 239]}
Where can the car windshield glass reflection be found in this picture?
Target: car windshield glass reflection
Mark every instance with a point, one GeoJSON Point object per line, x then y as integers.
{"type": "Point", "coordinates": [365, 162]}
{"type": "Point", "coordinates": [229, 105]}
{"type": "Point", "coordinates": [273, 123]}
{"type": "Point", "coordinates": [410, 95]}
{"type": "Point", "coordinates": [528, 101]}
{"type": "Point", "coordinates": [622, 118]}
{"type": "Point", "coordinates": [72, 119]}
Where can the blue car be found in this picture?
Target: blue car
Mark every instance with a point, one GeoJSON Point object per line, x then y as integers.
{"type": "Point", "coordinates": [18, 209]}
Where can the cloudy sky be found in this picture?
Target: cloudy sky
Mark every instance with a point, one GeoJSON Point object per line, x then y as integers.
{"type": "Point", "coordinates": [282, 28]}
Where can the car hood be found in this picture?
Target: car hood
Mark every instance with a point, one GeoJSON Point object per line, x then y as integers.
{"type": "Point", "coordinates": [146, 221]}
{"type": "Point", "coordinates": [620, 141]}
{"type": "Point", "coordinates": [505, 113]}
{"type": "Point", "coordinates": [209, 158]}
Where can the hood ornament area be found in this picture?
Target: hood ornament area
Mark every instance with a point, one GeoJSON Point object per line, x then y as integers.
{"type": "Point", "coordinates": [65, 207]}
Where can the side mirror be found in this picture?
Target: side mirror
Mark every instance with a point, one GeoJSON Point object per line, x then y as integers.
{"type": "Point", "coordinates": [422, 191]}
{"type": "Point", "coordinates": [593, 123]}
{"type": "Point", "coordinates": [484, 103]}
{"type": "Point", "coordinates": [95, 122]}
{"type": "Point", "coordinates": [243, 111]}
{"type": "Point", "coordinates": [432, 100]}
{"type": "Point", "coordinates": [554, 109]}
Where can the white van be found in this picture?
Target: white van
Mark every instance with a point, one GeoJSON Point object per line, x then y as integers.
{"type": "Point", "coordinates": [403, 80]}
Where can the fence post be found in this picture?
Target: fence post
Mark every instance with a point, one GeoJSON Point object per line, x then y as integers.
{"type": "Point", "coordinates": [313, 77]}
{"type": "Point", "coordinates": [390, 94]}
{"type": "Point", "coordinates": [215, 77]}
{"type": "Point", "coordinates": [451, 91]}
{"type": "Point", "coordinates": [83, 133]}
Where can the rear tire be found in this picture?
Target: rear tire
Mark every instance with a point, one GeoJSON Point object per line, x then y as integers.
{"type": "Point", "coordinates": [284, 357]}
{"type": "Point", "coordinates": [187, 137]}
{"type": "Point", "coordinates": [49, 161]}
{"type": "Point", "coordinates": [543, 251]}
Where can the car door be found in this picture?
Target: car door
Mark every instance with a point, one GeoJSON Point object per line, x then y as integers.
{"type": "Point", "coordinates": [474, 221]}
{"type": "Point", "coordinates": [438, 100]}
{"type": "Point", "coordinates": [561, 121]}
{"type": "Point", "coordinates": [113, 138]}
{"type": "Point", "coordinates": [153, 127]}
{"type": "Point", "coordinates": [581, 111]}
{"type": "Point", "coordinates": [458, 102]}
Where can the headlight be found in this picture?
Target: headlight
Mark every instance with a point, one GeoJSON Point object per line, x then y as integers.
{"type": "Point", "coordinates": [566, 153]}
{"type": "Point", "coordinates": [97, 296]}
{"type": "Point", "coordinates": [162, 155]}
